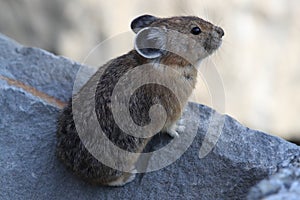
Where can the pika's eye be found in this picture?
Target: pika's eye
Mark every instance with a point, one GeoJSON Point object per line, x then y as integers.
{"type": "Point", "coordinates": [196, 30]}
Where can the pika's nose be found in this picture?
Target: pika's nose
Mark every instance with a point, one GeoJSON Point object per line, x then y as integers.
{"type": "Point", "coordinates": [220, 31]}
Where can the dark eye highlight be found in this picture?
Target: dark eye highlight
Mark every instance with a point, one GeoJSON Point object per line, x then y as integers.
{"type": "Point", "coordinates": [196, 30]}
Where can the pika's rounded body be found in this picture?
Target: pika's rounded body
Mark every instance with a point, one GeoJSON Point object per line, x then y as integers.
{"type": "Point", "coordinates": [169, 49]}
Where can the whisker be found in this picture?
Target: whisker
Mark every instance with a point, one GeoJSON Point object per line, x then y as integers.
{"type": "Point", "coordinates": [184, 7]}
{"type": "Point", "coordinates": [204, 11]}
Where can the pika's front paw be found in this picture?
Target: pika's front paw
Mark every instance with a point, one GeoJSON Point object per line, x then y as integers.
{"type": "Point", "coordinates": [180, 128]}
{"type": "Point", "coordinates": [173, 133]}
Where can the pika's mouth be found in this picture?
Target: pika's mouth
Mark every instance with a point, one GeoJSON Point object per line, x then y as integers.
{"type": "Point", "coordinates": [212, 44]}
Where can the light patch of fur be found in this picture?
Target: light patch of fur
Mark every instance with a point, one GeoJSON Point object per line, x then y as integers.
{"type": "Point", "coordinates": [122, 180]}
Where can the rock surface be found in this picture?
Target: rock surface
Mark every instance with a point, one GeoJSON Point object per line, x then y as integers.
{"type": "Point", "coordinates": [35, 84]}
{"type": "Point", "coordinates": [285, 184]}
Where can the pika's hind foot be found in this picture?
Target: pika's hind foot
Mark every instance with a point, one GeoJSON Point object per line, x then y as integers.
{"type": "Point", "coordinates": [126, 178]}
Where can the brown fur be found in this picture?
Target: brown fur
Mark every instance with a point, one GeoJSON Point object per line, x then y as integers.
{"type": "Point", "coordinates": [71, 150]}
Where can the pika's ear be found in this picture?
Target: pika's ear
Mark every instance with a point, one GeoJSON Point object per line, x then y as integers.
{"type": "Point", "coordinates": [150, 42]}
{"type": "Point", "coordinates": [142, 22]}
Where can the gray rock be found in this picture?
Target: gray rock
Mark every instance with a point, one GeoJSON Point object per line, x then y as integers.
{"type": "Point", "coordinates": [39, 69]}
{"type": "Point", "coordinates": [285, 184]}
{"type": "Point", "coordinates": [30, 170]}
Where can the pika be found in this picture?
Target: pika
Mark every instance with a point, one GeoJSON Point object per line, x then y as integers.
{"type": "Point", "coordinates": [168, 49]}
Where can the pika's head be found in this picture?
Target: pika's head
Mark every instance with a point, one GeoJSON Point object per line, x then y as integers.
{"type": "Point", "coordinates": [189, 37]}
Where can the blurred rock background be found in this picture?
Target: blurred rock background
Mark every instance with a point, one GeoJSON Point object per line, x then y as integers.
{"type": "Point", "coordinates": [259, 62]}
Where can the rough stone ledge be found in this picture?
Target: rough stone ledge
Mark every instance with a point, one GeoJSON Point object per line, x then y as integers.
{"type": "Point", "coordinates": [34, 85]}
{"type": "Point", "coordinates": [285, 184]}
